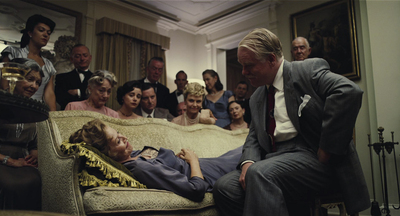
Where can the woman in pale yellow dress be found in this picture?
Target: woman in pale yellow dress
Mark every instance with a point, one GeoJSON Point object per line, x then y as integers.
{"type": "Point", "coordinates": [194, 95]}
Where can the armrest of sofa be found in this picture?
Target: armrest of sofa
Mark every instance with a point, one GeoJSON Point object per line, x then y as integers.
{"type": "Point", "coordinates": [60, 188]}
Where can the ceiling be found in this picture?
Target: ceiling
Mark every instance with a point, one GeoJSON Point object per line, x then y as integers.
{"type": "Point", "coordinates": [191, 12]}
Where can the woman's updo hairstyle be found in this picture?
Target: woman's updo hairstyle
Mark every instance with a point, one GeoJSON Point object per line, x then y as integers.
{"type": "Point", "coordinates": [195, 89]}
{"type": "Point", "coordinates": [93, 134]}
{"type": "Point", "coordinates": [213, 74]}
{"type": "Point", "coordinates": [126, 88]}
{"type": "Point", "coordinates": [98, 77]}
{"type": "Point", "coordinates": [30, 25]}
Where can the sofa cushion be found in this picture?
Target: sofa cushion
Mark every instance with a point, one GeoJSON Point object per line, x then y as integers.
{"type": "Point", "coordinates": [108, 200]}
{"type": "Point", "coordinates": [99, 170]}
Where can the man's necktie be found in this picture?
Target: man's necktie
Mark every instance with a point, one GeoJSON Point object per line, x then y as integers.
{"type": "Point", "coordinates": [149, 116]}
{"type": "Point", "coordinates": [271, 124]}
{"type": "Point", "coordinates": [178, 93]}
{"type": "Point", "coordinates": [154, 86]}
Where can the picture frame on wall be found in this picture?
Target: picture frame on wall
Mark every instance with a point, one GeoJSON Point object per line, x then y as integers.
{"type": "Point", "coordinates": [331, 31]}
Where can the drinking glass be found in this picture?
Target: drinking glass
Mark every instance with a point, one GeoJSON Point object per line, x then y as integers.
{"type": "Point", "coordinates": [13, 72]}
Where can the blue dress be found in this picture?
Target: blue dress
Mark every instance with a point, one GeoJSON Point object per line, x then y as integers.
{"type": "Point", "coordinates": [219, 109]}
{"type": "Point", "coordinates": [168, 172]}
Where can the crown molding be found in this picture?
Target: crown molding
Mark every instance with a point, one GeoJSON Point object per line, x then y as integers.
{"type": "Point", "coordinates": [169, 22]}
{"type": "Point", "coordinates": [238, 16]}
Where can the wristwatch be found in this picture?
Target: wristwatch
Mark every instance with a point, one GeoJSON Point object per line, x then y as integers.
{"type": "Point", "coordinates": [5, 159]}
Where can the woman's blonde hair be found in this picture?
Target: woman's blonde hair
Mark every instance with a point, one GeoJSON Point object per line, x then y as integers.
{"type": "Point", "coordinates": [195, 89]}
{"type": "Point", "coordinates": [93, 134]}
{"type": "Point", "coordinates": [98, 77]}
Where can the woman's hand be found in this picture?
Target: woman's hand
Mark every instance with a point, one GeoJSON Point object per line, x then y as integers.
{"type": "Point", "coordinates": [32, 158]}
{"type": "Point", "coordinates": [207, 117]}
{"type": "Point", "coordinates": [191, 158]}
{"type": "Point", "coordinates": [188, 155]}
{"type": "Point", "coordinates": [20, 162]}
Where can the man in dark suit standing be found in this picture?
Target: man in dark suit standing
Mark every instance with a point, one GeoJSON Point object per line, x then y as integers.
{"type": "Point", "coordinates": [148, 104]}
{"type": "Point", "coordinates": [176, 96]}
{"type": "Point", "coordinates": [300, 139]}
{"type": "Point", "coordinates": [154, 71]}
{"type": "Point", "coordinates": [72, 86]}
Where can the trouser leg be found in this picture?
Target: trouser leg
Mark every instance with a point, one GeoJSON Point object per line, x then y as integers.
{"type": "Point", "coordinates": [287, 177]}
{"type": "Point", "coordinates": [284, 177]}
{"type": "Point", "coordinates": [229, 195]}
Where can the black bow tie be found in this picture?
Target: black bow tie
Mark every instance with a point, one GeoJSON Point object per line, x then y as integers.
{"type": "Point", "coordinates": [178, 93]}
{"type": "Point", "coordinates": [80, 71]}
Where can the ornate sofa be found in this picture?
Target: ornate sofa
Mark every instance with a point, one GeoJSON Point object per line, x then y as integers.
{"type": "Point", "coordinates": [62, 192]}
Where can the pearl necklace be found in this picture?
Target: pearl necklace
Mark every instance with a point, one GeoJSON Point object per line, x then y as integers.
{"type": "Point", "coordinates": [242, 125]}
{"type": "Point", "coordinates": [191, 121]}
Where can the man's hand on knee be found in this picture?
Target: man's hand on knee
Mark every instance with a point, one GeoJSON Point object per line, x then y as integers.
{"type": "Point", "coordinates": [323, 156]}
{"type": "Point", "coordinates": [243, 175]}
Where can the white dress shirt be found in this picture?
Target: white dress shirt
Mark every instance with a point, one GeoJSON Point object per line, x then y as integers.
{"type": "Point", "coordinates": [284, 129]}
{"type": "Point", "coordinates": [145, 114]}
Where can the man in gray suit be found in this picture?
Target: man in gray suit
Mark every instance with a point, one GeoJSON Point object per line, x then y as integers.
{"type": "Point", "coordinates": [310, 149]}
{"type": "Point", "coordinates": [148, 104]}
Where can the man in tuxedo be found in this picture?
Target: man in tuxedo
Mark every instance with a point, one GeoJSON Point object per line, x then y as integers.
{"type": "Point", "coordinates": [300, 49]}
{"type": "Point", "coordinates": [240, 97]}
{"type": "Point", "coordinates": [148, 104]}
{"type": "Point", "coordinates": [300, 139]}
{"type": "Point", "coordinates": [72, 86]}
{"type": "Point", "coordinates": [154, 71]}
{"type": "Point", "coordinates": [176, 96]}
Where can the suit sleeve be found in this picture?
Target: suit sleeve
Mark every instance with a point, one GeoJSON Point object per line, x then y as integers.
{"type": "Point", "coordinates": [61, 91]}
{"type": "Point", "coordinates": [342, 101]}
{"type": "Point", "coordinates": [252, 149]}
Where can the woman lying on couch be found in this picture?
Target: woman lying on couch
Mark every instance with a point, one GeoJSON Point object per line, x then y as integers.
{"type": "Point", "coordinates": [184, 173]}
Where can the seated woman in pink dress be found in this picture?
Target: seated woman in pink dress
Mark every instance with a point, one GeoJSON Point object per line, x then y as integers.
{"type": "Point", "coordinates": [194, 95]}
{"type": "Point", "coordinates": [99, 90]}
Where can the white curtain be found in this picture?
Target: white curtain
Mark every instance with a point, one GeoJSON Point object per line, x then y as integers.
{"type": "Point", "coordinates": [134, 58]}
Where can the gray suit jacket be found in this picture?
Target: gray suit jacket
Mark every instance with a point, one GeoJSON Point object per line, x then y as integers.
{"type": "Point", "coordinates": [326, 121]}
{"type": "Point", "coordinates": [158, 113]}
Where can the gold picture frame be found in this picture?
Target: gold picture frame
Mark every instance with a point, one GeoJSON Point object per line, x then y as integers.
{"type": "Point", "coordinates": [331, 31]}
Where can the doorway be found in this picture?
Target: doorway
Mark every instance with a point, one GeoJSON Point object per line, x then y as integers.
{"type": "Point", "coordinates": [234, 73]}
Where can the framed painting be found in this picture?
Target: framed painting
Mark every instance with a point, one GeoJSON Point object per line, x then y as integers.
{"type": "Point", "coordinates": [331, 32]}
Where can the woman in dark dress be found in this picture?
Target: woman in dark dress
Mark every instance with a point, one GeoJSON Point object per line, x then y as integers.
{"type": "Point", "coordinates": [20, 183]}
{"type": "Point", "coordinates": [183, 173]}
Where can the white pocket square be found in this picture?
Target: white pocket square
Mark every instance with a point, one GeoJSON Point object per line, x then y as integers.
{"type": "Point", "coordinates": [305, 99]}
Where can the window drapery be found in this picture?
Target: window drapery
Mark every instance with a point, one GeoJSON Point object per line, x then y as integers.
{"type": "Point", "coordinates": [118, 47]}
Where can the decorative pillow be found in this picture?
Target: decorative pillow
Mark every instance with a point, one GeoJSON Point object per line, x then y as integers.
{"type": "Point", "coordinates": [99, 169]}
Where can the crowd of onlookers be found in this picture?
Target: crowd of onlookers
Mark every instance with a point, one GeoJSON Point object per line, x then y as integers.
{"type": "Point", "coordinates": [81, 89]}
{"type": "Point", "coordinates": [297, 145]}
{"type": "Point", "coordinates": [189, 104]}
